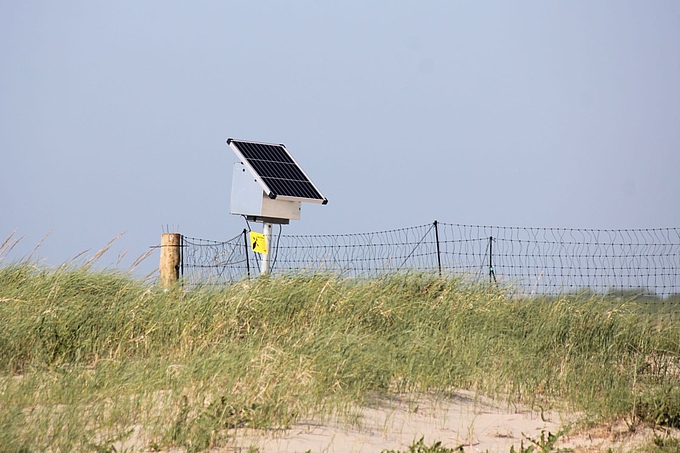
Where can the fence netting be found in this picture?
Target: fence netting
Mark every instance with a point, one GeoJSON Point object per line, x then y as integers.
{"type": "Point", "coordinates": [539, 261]}
{"type": "Point", "coordinates": [204, 261]}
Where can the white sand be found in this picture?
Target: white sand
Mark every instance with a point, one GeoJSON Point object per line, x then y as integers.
{"type": "Point", "coordinates": [478, 424]}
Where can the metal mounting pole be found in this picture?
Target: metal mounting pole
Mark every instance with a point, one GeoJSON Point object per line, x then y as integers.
{"type": "Point", "coordinates": [247, 250]}
{"type": "Point", "coordinates": [266, 257]}
{"type": "Point", "coordinates": [492, 271]}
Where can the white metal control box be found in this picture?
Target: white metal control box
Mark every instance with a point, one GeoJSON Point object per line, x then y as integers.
{"type": "Point", "coordinates": [248, 199]}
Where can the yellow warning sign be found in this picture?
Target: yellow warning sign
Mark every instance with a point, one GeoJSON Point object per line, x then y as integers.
{"type": "Point", "coordinates": [258, 242]}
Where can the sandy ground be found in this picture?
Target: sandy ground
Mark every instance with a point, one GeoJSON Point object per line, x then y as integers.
{"type": "Point", "coordinates": [476, 424]}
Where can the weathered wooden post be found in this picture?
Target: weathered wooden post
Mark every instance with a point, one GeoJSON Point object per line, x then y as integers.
{"type": "Point", "coordinates": [170, 254]}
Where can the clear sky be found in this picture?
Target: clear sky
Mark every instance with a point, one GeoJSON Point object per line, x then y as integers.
{"type": "Point", "coordinates": [114, 115]}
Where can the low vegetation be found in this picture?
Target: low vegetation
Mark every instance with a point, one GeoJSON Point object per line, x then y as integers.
{"type": "Point", "coordinates": [92, 358]}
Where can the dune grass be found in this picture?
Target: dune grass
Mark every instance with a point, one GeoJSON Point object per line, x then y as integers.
{"type": "Point", "coordinates": [90, 359]}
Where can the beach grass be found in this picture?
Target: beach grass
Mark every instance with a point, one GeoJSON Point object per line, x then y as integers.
{"type": "Point", "coordinates": [91, 359]}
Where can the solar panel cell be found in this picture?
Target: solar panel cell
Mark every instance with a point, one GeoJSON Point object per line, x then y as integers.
{"type": "Point", "coordinates": [277, 170]}
{"type": "Point", "coordinates": [260, 151]}
{"type": "Point", "coordinates": [289, 188]}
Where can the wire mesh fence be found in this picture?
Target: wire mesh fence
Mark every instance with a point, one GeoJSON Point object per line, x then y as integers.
{"type": "Point", "coordinates": [205, 261]}
{"type": "Point", "coordinates": [644, 262]}
{"type": "Point", "coordinates": [545, 261]}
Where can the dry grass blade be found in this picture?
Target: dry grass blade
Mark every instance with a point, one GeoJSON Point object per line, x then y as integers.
{"type": "Point", "coordinates": [75, 258]}
{"type": "Point", "coordinates": [9, 244]}
{"type": "Point", "coordinates": [103, 250]}
{"type": "Point", "coordinates": [42, 241]}
{"type": "Point", "coordinates": [140, 259]}
{"type": "Point", "coordinates": [120, 257]}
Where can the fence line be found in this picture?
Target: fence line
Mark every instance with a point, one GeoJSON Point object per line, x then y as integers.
{"type": "Point", "coordinates": [534, 260]}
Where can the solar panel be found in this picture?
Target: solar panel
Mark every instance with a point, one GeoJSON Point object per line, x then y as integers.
{"type": "Point", "coordinates": [276, 171]}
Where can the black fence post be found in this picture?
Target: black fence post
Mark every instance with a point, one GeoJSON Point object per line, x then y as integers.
{"type": "Point", "coordinates": [181, 256]}
{"type": "Point", "coordinates": [245, 242]}
{"type": "Point", "coordinates": [492, 272]}
{"type": "Point", "coordinates": [439, 255]}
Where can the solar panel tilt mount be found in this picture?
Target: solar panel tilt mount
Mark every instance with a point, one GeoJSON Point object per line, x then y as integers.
{"type": "Point", "coordinates": [269, 187]}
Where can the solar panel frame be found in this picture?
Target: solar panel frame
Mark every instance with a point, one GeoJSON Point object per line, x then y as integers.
{"type": "Point", "coordinates": [276, 171]}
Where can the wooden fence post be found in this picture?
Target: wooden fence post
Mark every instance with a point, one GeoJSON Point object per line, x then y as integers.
{"type": "Point", "coordinates": [170, 253]}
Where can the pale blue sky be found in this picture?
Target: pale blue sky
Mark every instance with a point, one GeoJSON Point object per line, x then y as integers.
{"type": "Point", "coordinates": [114, 115]}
